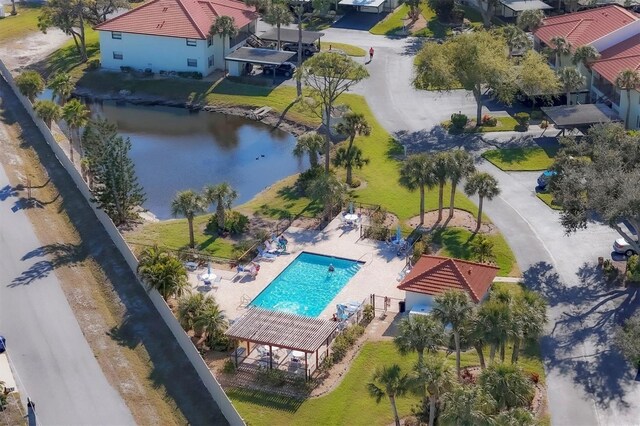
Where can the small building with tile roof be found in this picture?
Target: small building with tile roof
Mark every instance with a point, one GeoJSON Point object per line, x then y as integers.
{"type": "Point", "coordinates": [433, 275]}
{"type": "Point", "coordinates": [173, 35]}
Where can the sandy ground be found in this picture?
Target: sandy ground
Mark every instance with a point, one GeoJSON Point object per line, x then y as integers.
{"type": "Point", "coordinates": [18, 54]}
{"type": "Point", "coordinates": [460, 219]}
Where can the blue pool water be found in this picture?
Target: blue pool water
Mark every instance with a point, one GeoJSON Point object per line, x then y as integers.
{"type": "Point", "coordinates": [306, 286]}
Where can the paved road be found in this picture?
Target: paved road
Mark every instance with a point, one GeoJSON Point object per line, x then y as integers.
{"type": "Point", "coordinates": [54, 362]}
{"type": "Point", "coordinates": [589, 383]}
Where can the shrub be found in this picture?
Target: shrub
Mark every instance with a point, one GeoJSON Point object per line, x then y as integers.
{"type": "Point", "coordinates": [458, 121]}
{"type": "Point", "coordinates": [419, 248]}
{"type": "Point", "coordinates": [242, 250]}
{"type": "Point", "coordinates": [377, 232]}
{"type": "Point", "coordinates": [355, 183]}
{"type": "Point", "coordinates": [190, 74]}
{"type": "Point", "coordinates": [633, 268]}
{"type": "Point", "coordinates": [489, 121]}
{"type": "Point", "coordinates": [368, 313]}
{"type": "Point", "coordinates": [308, 176]}
{"type": "Point", "coordinates": [229, 367]}
{"type": "Point", "coordinates": [544, 124]}
{"type": "Point", "coordinates": [610, 270]}
{"type": "Point", "coordinates": [126, 69]}
{"type": "Point", "coordinates": [93, 64]}
{"type": "Point", "coordinates": [523, 120]}
{"type": "Point", "coordinates": [536, 115]}
{"type": "Point", "coordinates": [442, 8]}
{"type": "Point", "coordinates": [234, 222]}
{"type": "Point", "coordinates": [345, 341]}
{"type": "Point", "coordinates": [271, 377]}
{"type": "Point", "coordinates": [30, 83]}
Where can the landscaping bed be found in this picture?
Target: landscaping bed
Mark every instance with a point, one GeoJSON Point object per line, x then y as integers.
{"type": "Point", "coordinates": [502, 124]}
{"type": "Point", "coordinates": [349, 49]}
{"type": "Point", "coordinates": [522, 159]}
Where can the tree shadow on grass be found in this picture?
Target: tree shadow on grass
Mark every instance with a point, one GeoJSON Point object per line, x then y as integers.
{"type": "Point", "coordinates": [454, 241]}
{"type": "Point", "coordinates": [271, 400]}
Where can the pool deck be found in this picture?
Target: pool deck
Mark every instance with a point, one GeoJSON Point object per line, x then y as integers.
{"type": "Point", "coordinates": [379, 274]}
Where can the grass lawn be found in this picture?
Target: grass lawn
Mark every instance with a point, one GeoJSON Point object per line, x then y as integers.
{"type": "Point", "coordinates": [174, 234]}
{"type": "Point", "coordinates": [473, 15]}
{"type": "Point", "coordinates": [456, 242]}
{"type": "Point", "coordinates": [521, 159]}
{"type": "Point", "coordinates": [547, 198]}
{"type": "Point", "coordinates": [393, 23]}
{"type": "Point", "coordinates": [505, 124]}
{"type": "Point", "coordinates": [66, 59]}
{"type": "Point", "coordinates": [25, 22]}
{"type": "Point", "coordinates": [349, 49]}
{"type": "Point", "coordinates": [350, 402]}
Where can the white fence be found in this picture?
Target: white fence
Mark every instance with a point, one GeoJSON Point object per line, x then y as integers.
{"type": "Point", "coordinates": [210, 382]}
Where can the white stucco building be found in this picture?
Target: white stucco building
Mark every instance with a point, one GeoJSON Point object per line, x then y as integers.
{"type": "Point", "coordinates": [433, 275]}
{"type": "Point", "coordinates": [173, 35]}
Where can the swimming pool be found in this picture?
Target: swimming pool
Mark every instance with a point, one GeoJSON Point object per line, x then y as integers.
{"type": "Point", "coordinates": [306, 286]}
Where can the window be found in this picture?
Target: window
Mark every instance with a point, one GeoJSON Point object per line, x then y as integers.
{"type": "Point", "coordinates": [209, 41]}
{"type": "Point", "coordinates": [191, 42]}
{"type": "Point", "coordinates": [192, 62]}
{"type": "Point", "coordinates": [210, 61]}
{"type": "Point", "coordinates": [117, 55]}
{"type": "Point", "coordinates": [116, 36]}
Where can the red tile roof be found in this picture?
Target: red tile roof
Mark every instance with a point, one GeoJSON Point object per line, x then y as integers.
{"type": "Point", "coordinates": [619, 57]}
{"type": "Point", "coordinates": [434, 275]}
{"type": "Point", "coordinates": [581, 28]}
{"type": "Point", "coordinates": [179, 18]}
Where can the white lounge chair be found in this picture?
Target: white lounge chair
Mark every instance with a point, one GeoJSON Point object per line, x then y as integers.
{"type": "Point", "coordinates": [266, 256]}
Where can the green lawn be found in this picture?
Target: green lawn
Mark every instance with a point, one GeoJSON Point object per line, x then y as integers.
{"type": "Point", "coordinates": [521, 159]}
{"type": "Point", "coordinates": [505, 124]}
{"type": "Point", "coordinates": [25, 22]}
{"type": "Point", "coordinates": [349, 49]}
{"type": "Point", "coordinates": [547, 198]}
{"type": "Point", "coordinates": [349, 403]}
{"type": "Point", "coordinates": [174, 234]}
{"type": "Point", "coordinates": [473, 15]}
{"type": "Point", "coordinates": [393, 23]}
{"type": "Point", "coordinates": [456, 242]}
{"type": "Point", "coordinates": [66, 59]}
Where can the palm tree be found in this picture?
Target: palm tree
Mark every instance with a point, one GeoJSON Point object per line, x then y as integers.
{"type": "Point", "coordinates": [571, 80]}
{"type": "Point", "coordinates": [190, 307]}
{"type": "Point", "coordinates": [514, 417]}
{"type": "Point", "coordinates": [390, 382]}
{"type": "Point", "coordinates": [352, 125]}
{"type": "Point", "coordinates": [350, 158]}
{"type": "Point", "coordinates": [433, 378]}
{"type": "Point", "coordinates": [466, 406]}
{"type": "Point", "coordinates": [212, 321]}
{"type": "Point", "coordinates": [310, 144]}
{"type": "Point", "coordinates": [225, 27]}
{"type": "Point", "coordinates": [584, 55]}
{"type": "Point", "coordinates": [473, 333]}
{"type": "Point", "coordinates": [515, 38]}
{"type": "Point", "coordinates": [460, 166]}
{"type": "Point", "coordinates": [482, 249]}
{"type": "Point", "coordinates": [419, 333]}
{"type": "Point", "coordinates": [13, 8]}
{"type": "Point", "coordinates": [560, 46]}
{"type": "Point", "coordinates": [48, 111]}
{"type": "Point", "coordinates": [61, 85]}
{"type": "Point", "coordinates": [417, 173]}
{"type": "Point", "coordinates": [30, 84]}
{"type": "Point", "coordinates": [495, 320]}
{"type": "Point", "coordinates": [160, 270]}
{"type": "Point", "coordinates": [76, 115]}
{"type": "Point", "coordinates": [328, 190]}
{"type": "Point", "coordinates": [486, 186]}
{"type": "Point", "coordinates": [529, 314]}
{"type": "Point", "coordinates": [530, 20]}
{"type": "Point", "coordinates": [441, 175]}
{"type": "Point", "coordinates": [628, 80]}
{"type": "Point", "coordinates": [453, 307]}
{"type": "Point", "coordinates": [188, 204]}
{"type": "Point", "coordinates": [223, 196]}
{"type": "Point", "coordinates": [507, 385]}
{"type": "Point", "coordinates": [278, 14]}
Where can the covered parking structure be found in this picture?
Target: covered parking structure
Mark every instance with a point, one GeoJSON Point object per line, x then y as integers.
{"type": "Point", "coordinates": [371, 6]}
{"type": "Point", "coordinates": [252, 55]}
{"type": "Point", "coordinates": [579, 116]}
{"type": "Point", "coordinates": [288, 35]}
{"type": "Point", "coordinates": [513, 8]}
{"type": "Point", "coordinates": [281, 340]}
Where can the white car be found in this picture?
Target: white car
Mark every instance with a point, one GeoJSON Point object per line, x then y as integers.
{"type": "Point", "coordinates": [621, 246]}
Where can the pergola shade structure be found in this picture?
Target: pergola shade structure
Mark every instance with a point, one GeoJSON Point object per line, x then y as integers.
{"type": "Point", "coordinates": [579, 116]}
{"type": "Point", "coordinates": [288, 35]}
{"type": "Point", "coordinates": [281, 331]}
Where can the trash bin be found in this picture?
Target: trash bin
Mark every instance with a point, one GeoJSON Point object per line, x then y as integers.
{"type": "Point", "coordinates": [402, 306]}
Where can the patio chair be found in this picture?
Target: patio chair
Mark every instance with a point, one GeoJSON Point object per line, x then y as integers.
{"type": "Point", "coordinates": [266, 256]}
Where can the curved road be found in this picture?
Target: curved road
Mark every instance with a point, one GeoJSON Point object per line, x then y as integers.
{"type": "Point", "coordinates": [588, 382]}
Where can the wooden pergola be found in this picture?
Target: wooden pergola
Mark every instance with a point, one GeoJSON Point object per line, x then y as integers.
{"type": "Point", "coordinates": [275, 329]}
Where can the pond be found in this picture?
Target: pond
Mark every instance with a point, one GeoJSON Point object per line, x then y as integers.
{"type": "Point", "coordinates": [175, 149]}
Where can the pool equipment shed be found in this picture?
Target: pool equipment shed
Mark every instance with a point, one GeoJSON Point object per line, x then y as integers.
{"type": "Point", "coordinates": [280, 331]}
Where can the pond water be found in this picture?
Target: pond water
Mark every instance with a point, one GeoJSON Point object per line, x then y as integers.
{"type": "Point", "coordinates": [174, 149]}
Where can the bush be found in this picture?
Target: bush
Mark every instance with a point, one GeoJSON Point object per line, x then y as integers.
{"type": "Point", "coordinates": [536, 115]}
{"type": "Point", "coordinates": [523, 120]}
{"type": "Point", "coordinates": [30, 83]}
{"type": "Point", "coordinates": [544, 124]}
{"type": "Point", "coordinates": [610, 270]}
{"type": "Point", "coordinates": [442, 8]}
{"type": "Point", "coordinates": [229, 367]}
{"type": "Point", "coordinates": [308, 176]}
{"type": "Point", "coordinates": [377, 232]}
{"type": "Point", "coordinates": [93, 64]}
{"type": "Point", "coordinates": [355, 183]}
{"type": "Point", "coordinates": [345, 341]}
{"type": "Point", "coordinates": [126, 69]}
{"type": "Point", "coordinates": [234, 222]}
{"type": "Point", "coordinates": [419, 248]}
{"type": "Point", "coordinates": [190, 74]}
{"type": "Point", "coordinates": [368, 313]}
{"type": "Point", "coordinates": [242, 250]}
{"type": "Point", "coordinates": [271, 377]}
{"type": "Point", "coordinates": [489, 121]}
{"type": "Point", "coordinates": [458, 121]}
{"type": "Point", "coordinates": [633, 268]}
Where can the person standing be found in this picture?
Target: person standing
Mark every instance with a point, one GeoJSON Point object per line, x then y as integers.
{"type": "Point", "coordinates": [371, 54]}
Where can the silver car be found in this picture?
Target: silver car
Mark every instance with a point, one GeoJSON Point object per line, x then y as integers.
{"type": "Point", "coordinates": [621, 246]}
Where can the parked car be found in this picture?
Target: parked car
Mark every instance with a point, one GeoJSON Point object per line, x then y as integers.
{"type": "Point", "coordinates": [286, 69]}
{"type": "Point", "coordinates": [308, 49]}
{"type": "Point", "coordinates": [621, 246]}
{"type": "Point", "coordinates": [3, 344]}
{"type": "Point", "coordinates": [545, 177]}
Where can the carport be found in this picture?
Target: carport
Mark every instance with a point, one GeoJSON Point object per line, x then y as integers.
{"type": "Point", "coordinates": [579, 116]}
{"type": "Point", "coordinates": [258, 56]}
{"type": "Point", "coordinates": [375, 6]}
{"type": "Point", "coordinates": [512, 8]}
{"type": "Point", "coordinates": [288, 35]}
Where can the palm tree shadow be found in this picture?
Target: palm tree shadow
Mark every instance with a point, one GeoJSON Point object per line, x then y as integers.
{"type": "Point", "coordinates": [59, 255]}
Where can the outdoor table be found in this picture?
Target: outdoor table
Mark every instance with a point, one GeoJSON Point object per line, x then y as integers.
{"type": "Point", "coordinates": [208, 277]}
{"type": "Point", "coordinates": [351, 217]}
{"type": "Point", "coordinates": [191, 266]}
{"type": "Point", "coordinates": [297, 354]}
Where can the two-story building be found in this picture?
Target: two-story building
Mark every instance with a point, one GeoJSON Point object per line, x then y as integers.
{"type": "Point", "coordinates": [615, 33]}
{"type": "Point", "coordinates": [173, 35]}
